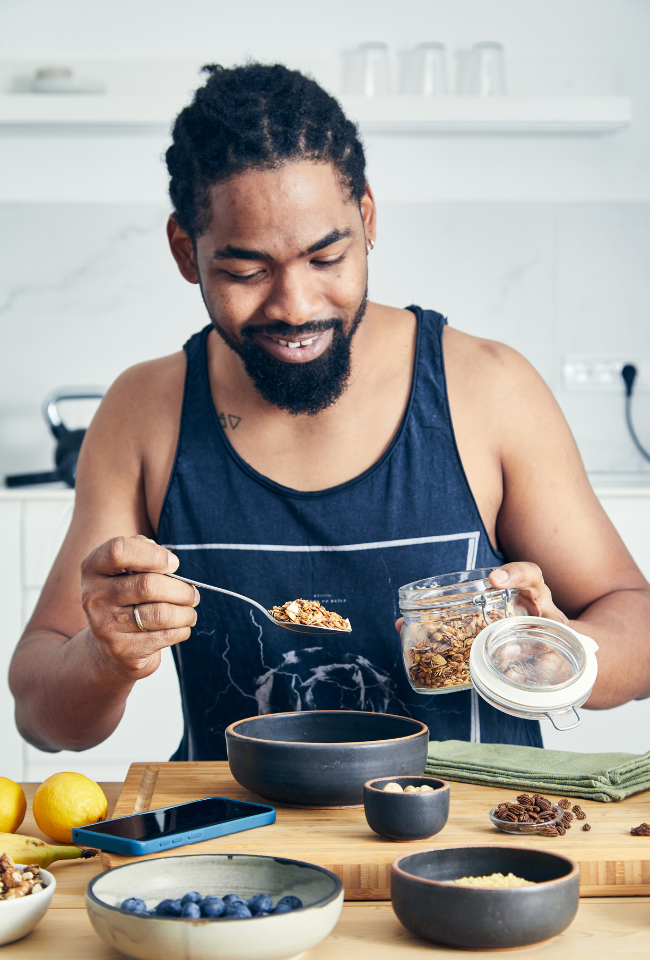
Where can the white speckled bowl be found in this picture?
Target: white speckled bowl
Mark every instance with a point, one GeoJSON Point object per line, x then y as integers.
{"type": "Point", "coordinates": [285, 936]}
{"type": "Point", "coordinates": [19, 917]}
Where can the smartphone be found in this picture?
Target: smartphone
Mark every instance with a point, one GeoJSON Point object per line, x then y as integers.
{"type": "Point", "coordinates": [174, 826]}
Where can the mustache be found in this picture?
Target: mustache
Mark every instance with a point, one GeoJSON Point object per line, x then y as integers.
{"type": "Point", "coordinates": [289, 331]}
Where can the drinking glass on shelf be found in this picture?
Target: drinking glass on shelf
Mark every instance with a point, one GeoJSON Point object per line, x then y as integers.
{"type": "Point", "coordinates": [424, 71]}
{"type": "Point", "coordinates": [367, 70]}
{"type": "Point", "coordinates": [486, 71]}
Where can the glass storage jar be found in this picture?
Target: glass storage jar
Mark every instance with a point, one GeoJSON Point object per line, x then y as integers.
{"type": "Point", "coordinates": [442, 616]}
{"type": "Point", "coordinates": [532, 667]}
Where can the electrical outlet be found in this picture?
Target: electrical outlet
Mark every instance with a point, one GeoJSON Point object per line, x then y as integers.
{"type": "Point", "coordinates": [601, 373]}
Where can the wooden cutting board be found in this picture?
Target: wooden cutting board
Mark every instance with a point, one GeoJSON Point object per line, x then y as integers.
{"type": "Point", "coordinates": [612, 862]}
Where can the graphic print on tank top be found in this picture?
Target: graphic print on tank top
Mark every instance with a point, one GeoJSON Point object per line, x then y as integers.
{"type": "Point", "coordinates": [410, 515]}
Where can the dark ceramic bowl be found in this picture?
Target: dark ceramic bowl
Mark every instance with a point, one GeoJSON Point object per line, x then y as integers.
{"type": "Point", "coordinates": [322, 758]}
{"type": "Point", "coordinates": [406, 816]}
{"type": "Point", "coordinates": [485, 918]}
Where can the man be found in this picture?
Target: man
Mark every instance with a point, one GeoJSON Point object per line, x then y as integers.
{"type": "Point", "coordinates": [307, 443]}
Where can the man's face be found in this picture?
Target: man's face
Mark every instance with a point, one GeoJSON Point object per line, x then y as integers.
{"type": "Point", "coordinates": [283, 273]}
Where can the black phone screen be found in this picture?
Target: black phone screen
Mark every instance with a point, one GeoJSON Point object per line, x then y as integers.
{"type": "Point", "coordinates": [171, 820]}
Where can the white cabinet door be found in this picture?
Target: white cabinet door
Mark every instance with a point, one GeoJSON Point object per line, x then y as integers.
{"type": "Point", "coordinates": [631, 517]}
{"type": "Point", "coordinates": [11, 745]}
{"type": "Point", "coordinates": [45, 524]}
{"type": "Point", "coordinates": [152, 724]}
{"type": "Point", "coordinates": [150, 730]}
{"type": "Point", "coordinates": [624, 729]}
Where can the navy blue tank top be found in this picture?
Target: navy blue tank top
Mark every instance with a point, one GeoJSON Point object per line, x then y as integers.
{"type": "Point", "coordinates": [410, 515]}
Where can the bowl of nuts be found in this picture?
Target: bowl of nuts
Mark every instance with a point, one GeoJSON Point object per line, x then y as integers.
{"type": "Point", "coordinates": [485, 897]}
{"type": "Point", "coordinates": [25, 895]}
{"type": "Point", "coordinates": [528, 814]}
{"type": "Point", "coordinates": [214, 907]}
{"type": "Point", "coordinates": [406, 808]}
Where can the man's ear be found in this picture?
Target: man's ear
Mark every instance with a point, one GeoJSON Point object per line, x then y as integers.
{"type": "Point", "coordinates": [182, 250]}
{"type": "Point", "coordinates": [369, 215]}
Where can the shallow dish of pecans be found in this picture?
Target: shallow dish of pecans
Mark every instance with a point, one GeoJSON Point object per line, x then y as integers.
{"type": "Point", "coordinates": [528, 814]}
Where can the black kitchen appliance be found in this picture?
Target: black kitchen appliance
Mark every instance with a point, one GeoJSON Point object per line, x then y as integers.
{"type": "Point", "coordinates": [68, 442]}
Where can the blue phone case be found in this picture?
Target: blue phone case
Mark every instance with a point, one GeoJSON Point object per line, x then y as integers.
{"type": "Point", "coordinates": [134, 848]}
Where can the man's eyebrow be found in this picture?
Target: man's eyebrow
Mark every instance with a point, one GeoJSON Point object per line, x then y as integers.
{"type": "Point", "coordinates": [238, 253]}
{"type": "Point", "coordinates": [331, 238]}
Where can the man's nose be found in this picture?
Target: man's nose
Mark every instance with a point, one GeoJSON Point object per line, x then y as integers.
{"type": "Point", "coordinates": [294, 297]}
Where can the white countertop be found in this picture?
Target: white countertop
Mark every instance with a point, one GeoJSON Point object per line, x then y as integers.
{"type": "Point", "coordinates": [41, 491]}
{"type": "Point", "coordinates": [604, 484]}
{"type": "Point", "coordinates": [621, 484]}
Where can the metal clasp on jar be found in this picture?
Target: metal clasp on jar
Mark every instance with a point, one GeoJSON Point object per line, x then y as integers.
{"type": "Point", "coordinates": [481, 601]}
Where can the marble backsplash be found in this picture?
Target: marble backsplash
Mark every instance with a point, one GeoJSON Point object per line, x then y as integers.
{"type": "Point", "coordinates": [87, 290]}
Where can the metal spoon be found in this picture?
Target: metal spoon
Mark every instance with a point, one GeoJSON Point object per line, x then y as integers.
{"type": "Point", "coordinates": [296, 627]}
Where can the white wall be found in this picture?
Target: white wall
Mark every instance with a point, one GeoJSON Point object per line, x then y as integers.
{"type": "Point", "coordinates": [538, 240]}
{"type": "Point", "coordinates": [88, 289]}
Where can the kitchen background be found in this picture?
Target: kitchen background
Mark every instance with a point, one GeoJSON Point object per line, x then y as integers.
{"type": "Point", "coordinates": [540, 239]}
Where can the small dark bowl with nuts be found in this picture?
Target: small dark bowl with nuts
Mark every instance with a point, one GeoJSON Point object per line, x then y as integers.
{"type": "Point", "coordinates": [529, 814]}
{"type": "Point", "coordinates": [406, 808]}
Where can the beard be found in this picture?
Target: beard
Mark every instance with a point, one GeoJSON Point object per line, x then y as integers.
{"type": "Point", "coordinates": [298, 388]}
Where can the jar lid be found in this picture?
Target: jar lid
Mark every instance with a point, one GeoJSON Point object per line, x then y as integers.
{"type": "Point", "coordinates": [452, 590]}
{"type": "Point", "coordinates": [533, 664]}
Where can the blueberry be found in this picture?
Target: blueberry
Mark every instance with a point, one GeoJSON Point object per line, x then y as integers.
{"type": "Point", "coordinates": [152, 912]}
{"type": "Point", "coordinates": [192, 897]}
{"type": "Point", "coordinates": [134, 905]}
{"type": "Point", "coordinates": [292, 902]}
{"type": "Point", "coordinates": [212, 907]}
{"type": "Point", "coordinates": [262, 903]}
{"type": "Point", "coordinates": [233, 898]}
{"type": "Point", "coordinates": [282, 908]}
{"type": "Point", "coordinates": [191, 909]}
{"type": "Point", "coordinates": [168, 908]}
{"type": "Point", "coordinates": [236, 911]}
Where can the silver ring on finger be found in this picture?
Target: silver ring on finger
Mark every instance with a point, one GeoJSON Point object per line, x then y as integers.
{"type": "Point", "coordinates": [138, 620]}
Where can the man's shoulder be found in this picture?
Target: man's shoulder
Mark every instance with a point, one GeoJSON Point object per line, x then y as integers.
{"type": "Point", "coordinates": [153, 373]}
{"type": "Point", "coordinates": [479, 351]}
{"type": "Point", "coordinates": [144, 402]}
{"type": "Point", "coordinates": [133, 437]}
{"type": "Point", "coordinates": [487, 365]}
{"type": "Point", "coordinates": [151, 387]}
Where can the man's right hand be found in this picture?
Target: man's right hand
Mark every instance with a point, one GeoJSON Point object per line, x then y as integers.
{"type": "Point", "coordinates": [117, 576]}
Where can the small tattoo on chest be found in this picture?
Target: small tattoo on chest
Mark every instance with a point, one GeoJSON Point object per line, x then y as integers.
{"type": "Point", "coordinates": [229, 419]}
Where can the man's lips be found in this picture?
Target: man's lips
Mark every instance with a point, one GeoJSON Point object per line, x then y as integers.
{"type": "Point", "coordinates": [300, 350]}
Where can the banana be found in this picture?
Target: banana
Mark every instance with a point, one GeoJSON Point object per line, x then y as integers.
{"type": "Point", "coordinates": [28, 850]}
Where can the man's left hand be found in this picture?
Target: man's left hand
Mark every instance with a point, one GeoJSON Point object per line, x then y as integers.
{"type": "Point", "coordinates": [534, 595]}
{"type": "Point", "coordinates": [533, 592]}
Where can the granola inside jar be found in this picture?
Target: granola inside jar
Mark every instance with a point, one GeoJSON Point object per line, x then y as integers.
{"type": "Point", "coordinates": [442, 616]}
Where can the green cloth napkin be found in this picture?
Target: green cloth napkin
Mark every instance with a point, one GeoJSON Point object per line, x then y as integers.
{"type": "Point", "coordinates": [593, 776]}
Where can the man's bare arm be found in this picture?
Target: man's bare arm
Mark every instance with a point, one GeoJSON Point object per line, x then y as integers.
{"type": "Point", "coordinates": [82, 652]}
{"type": "Point", "coordinates": [577, 568]}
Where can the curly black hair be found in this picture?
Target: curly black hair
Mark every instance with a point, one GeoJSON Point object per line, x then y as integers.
{"type": "Point", "coordinates": [255, 116]}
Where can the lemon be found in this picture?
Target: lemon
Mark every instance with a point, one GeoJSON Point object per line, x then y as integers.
{"type": "Point", "coordinates": [67, 800]}
{"type": "Point", "coordinates": [12, 805]}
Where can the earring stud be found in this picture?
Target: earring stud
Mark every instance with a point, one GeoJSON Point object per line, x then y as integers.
{"type": "Point", "coordinates": [370, 246]}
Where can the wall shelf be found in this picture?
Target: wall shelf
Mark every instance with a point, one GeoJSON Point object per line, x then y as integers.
{"type": "Point", "coordinates": [383, 115]}
{"type": "Point", "coordinates": [491, 115]}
